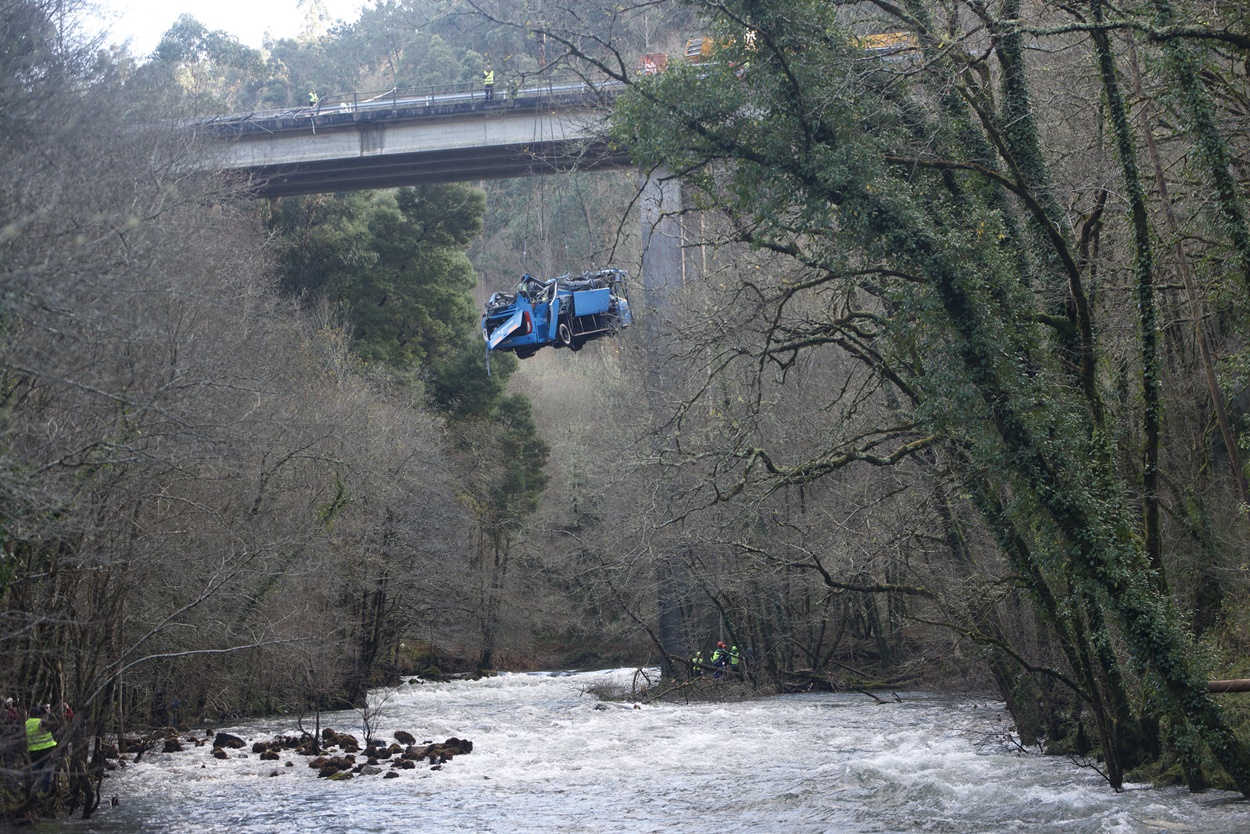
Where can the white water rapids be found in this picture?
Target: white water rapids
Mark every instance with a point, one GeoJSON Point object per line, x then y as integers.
{"type": "Point", "coordinates": [547, 757]}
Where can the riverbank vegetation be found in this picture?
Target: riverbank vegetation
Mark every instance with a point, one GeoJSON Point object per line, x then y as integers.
{"type": "Point", "coordinates": [950, 392]}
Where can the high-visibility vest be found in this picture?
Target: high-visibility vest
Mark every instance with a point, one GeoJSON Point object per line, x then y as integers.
{"type": "Point", "coordinates": [488, 78]}
{"type": "Point", "coordinates": [37, 736]}
{"type": "Point", "coordinates": [734, 657]}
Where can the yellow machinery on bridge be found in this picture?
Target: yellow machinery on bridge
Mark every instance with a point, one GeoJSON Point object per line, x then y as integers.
{"type": "Point", "coordinates": [701, 48]}
{"type": "Point", "coordinates": [888, 44]}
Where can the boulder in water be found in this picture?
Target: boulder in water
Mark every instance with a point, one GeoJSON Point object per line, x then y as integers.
{"type": "Point", "coordinates": [228, 740]}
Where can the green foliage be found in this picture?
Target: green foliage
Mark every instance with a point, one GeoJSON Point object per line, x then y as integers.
{"type": "Point", "coordinates": [517, 493]}
{"type": "Point", "coordinates": [508, 475]}
{"type": "Point", "coordinates": [404, 45]}
{"type": "Point", "coordinates": [211, 70]}
{"type": "Point", "coordinates": [464, 387]}
{"type": "Point", "coordinates": [395, 262]}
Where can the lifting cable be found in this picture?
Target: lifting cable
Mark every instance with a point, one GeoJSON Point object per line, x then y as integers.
{"type": "Point", "coordinates": [529, 204]}
{"type": "Point", "coordinates": [544, 232]}
{"type": "Point", "coordinates": [591, 244]}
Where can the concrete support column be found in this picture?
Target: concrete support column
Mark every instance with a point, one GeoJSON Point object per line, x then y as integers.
{"type": "Point", "coordinates": [663, 273]}
{"type": "Point", "coordinates": [663, 262]}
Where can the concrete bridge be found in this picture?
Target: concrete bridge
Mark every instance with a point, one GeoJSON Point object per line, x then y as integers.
{"type": "Point", "coordinates": [452, 134]}
{"type": "Point", "coordinates": [444, 134]}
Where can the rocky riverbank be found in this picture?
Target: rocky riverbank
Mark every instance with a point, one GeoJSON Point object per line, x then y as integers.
{"type": "Point", "coordinates": [332, 754]}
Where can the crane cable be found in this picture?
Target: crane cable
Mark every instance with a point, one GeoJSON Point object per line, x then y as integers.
{"type": "Point", "coordinates": [536, 139]}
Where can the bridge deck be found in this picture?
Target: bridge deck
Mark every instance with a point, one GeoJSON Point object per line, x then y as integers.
{"type": "Point", "coordinates": [394, 139]}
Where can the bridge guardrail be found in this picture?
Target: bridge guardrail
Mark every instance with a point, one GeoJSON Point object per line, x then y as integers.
{"type": "Point", "coordinates": [354, 106]}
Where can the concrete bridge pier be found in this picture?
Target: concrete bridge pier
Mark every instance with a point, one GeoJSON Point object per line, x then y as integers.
{"type": "Point", "coordinates": [663, 250]}
{"type": "Point", "coordinates": [663, 274]}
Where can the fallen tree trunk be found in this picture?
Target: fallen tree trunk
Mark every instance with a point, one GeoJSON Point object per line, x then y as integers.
{"type": "Point", "coordinates": [1242, 685]}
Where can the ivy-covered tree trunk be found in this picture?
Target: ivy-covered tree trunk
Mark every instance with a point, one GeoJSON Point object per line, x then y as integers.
{"type": "Point", "coordinates": [862, 172]}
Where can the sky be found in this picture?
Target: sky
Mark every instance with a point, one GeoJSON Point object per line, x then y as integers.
{"type": "Point", "coordinates": [144, 21]}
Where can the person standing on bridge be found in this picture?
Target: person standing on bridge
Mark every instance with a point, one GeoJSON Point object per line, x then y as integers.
{"type": "Point", "coordinates": [488, 82]}
{"type": "Point", "coordinates": [313, 101]}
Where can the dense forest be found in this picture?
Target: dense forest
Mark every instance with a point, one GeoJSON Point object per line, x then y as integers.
{"type": "Point", "coordinates": [951, 391]}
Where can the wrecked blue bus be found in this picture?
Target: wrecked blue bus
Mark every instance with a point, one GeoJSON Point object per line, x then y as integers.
{"type": "Point", "coordinates": [564, 312]}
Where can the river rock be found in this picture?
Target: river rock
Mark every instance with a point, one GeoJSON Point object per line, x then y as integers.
{"type": "Point", "coordinates": [228, 740]}
{"type": "Point", "coordinates": [404, 738]}
{"type": "Point", "coordinates": [459, 745]}
{"type": "Point", "coordinates": [348, 743]}
{"type": "Point", "coordinates": [445, 752]}
{"type": "Point", "coordinates": [327, 766]}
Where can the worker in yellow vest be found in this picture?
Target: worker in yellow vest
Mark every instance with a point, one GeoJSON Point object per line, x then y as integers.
{"type": "Point", "coordinates": [40, 744]}
{"type": "Point", "coordinates": [488, 82]}
{"type": "Point", "coordinates": [39, 740]}
{"type": "Point", "coordinates": [720, 659]}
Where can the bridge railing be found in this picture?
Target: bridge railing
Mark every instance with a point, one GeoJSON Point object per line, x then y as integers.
{"type": "Point", "coordinates": [507, 87]}
{"type": "Point", "coordinates": [507, 90]}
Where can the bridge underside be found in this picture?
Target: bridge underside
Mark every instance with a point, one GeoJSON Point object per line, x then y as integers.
{"type": "Point", "coordinates": [420, 168]}
{"type": "Point", "coordinates": [386, 142]}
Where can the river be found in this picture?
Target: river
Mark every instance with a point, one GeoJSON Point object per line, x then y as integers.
{"type": "Point", "coordinates": [548, 757]}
